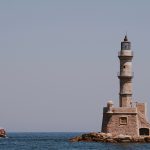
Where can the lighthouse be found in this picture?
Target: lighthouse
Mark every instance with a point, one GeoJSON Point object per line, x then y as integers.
{"type": "Point", "coordinates": [125, 75]}
{"type": "Point", "coordinates": [126, 122]}
{"type": "Point", "coordinates": [127, 119]}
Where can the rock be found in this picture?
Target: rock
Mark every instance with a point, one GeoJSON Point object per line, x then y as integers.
{"type": "Point", "coordinates": [111, 140]}
{"type": "Point", "coordinates": [76, 139]}
{"type": "Point", "coordinates": [108, 137]}
{"type": "Point", "coordinates": [124, 136]}
{"type": "Point", "coordinates": [141, 140]}
{"type": "Point", "coordinates": [147, 139]}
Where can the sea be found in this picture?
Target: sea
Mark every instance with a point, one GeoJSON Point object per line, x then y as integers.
{"type": "Point", "coordinates": [60, 141]}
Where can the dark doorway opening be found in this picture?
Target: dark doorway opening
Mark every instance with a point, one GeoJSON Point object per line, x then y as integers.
{"type": "Point", "coordinates": [144, 131]}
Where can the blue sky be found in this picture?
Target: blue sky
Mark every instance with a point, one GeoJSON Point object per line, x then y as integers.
{"type": "Point", "coordinates": [58, 61]}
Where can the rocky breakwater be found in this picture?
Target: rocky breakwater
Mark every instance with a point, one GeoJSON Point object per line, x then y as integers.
{"type": "Point", "coordinates": [108, 137]}
{"type": "Point", "coordinates": [2, 132]}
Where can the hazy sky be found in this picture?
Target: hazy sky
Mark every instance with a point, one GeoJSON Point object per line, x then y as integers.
{"type": "Point", "coordinates": [59, 64]}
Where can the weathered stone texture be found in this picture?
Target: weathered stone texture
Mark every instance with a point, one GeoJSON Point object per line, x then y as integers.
{"type": "Point", "coordinates": [141, 108]}
{"type": "Point", "coordinates": [124, 120]}
{"type": "Point", "coordinates": [112, 124]}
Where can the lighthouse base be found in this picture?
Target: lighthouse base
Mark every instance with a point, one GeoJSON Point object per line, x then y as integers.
{"type": "Point", "coordinates": [126, 121]}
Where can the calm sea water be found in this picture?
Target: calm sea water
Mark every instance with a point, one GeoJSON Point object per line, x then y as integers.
{"type": "Point", "coordinates": [59, 141]}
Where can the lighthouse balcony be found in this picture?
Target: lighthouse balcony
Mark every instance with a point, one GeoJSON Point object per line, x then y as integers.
{"type": "Point", "coordinates": [125, 74]}
{"type": "Point", "coordinates": [125, 53]}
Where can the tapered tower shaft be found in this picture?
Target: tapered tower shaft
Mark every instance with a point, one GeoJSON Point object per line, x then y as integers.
{"type": "Point", "coordinates": [125, 75]}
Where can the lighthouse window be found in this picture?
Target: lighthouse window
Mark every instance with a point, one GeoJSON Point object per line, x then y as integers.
{"type": "Point", "coordinates": [123, 120]}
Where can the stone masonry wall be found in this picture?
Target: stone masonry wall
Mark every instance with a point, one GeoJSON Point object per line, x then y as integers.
{"type": "Point", "coordinates": [141, 108]}
{"type": "Point", "coordinates": [115, 126]}
{"type": "Point", "coordinates": [120, 123]}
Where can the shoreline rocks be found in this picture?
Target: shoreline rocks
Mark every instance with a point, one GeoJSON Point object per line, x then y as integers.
{"type": "Point", "coordinates": [108, 137]}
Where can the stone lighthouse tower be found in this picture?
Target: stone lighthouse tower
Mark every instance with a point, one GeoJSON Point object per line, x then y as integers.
{"type": "Point", "coordinates": [125, 75]}
{"type": "Point", "coordinates": [129, 118]}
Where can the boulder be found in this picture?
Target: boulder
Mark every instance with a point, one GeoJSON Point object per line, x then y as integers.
{"type": "Point", "coordinates": [147, 139]}
{"type": "Point", "coordinates": [75, 139]}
